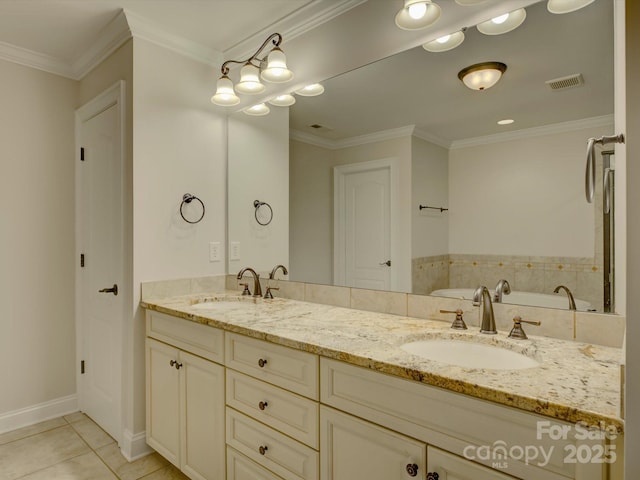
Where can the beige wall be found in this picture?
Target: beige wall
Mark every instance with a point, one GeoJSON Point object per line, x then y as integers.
{"type": "Point", "coordinates": [37, 259]}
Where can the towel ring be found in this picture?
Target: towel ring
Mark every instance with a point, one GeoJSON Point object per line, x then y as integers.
{"type": "Point", "coordinates": [188, 198]}
{"type": "Point", "coordinates": [257, 204]}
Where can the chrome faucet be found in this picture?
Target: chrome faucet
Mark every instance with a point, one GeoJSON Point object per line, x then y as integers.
{"type": "Point", "coordinates": [482, 295]}
{"type": "Point", "coordinates": [272, 275]}
{"type": "Point", "coordinates": [257, 290]}
{"type": "Point", "coordinates": [572, 302]}
{"type": "Point", "coordinates": [502, 288]}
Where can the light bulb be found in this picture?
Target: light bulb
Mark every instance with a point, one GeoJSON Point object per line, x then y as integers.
{"type": "Point", "coordinates": [417, 10]}
{"type": "Point", "coordinates": [257, 110]}
{"type": "Point", "coordinates": [311, 90]}
{"type": "Point", "coordinates": [499, 20]}
{"type": "Point", "coordinates": [443, 39]}
{"type": "Point", "coordinates": [283, 100]}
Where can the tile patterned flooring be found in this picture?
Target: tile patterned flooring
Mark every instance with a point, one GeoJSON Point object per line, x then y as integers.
{"type": "Point", "coordinates": [73, 447]}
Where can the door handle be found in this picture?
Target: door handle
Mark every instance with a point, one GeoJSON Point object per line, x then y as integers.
{"type": "Point", "coordinates": [387, 263]}
{"type": "Point", "coordinates": [113, 290]}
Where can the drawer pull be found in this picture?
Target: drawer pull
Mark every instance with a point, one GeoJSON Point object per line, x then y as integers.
{"type": "Point", "coordinates": [262, 362]}
{"type": "Point", "coordinates": [262, 405]}
{"type": "Point", "coordinates": [412, 469]}
{"type": "Point", "coordinates": [174, 363]}
{"type": "Point", "coordinates": [263, 449]}
{"type": "Point", "coordinates": [432, 476]}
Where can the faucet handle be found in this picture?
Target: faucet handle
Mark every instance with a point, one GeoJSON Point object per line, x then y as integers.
{"type": "Point", "coordinates": [458, 323]}
{"type": "Point", "coordinates": [517, 331]}
{"type": "Point", "coordinates": [268, 293]}
{"type": "Point", "coordinates": [246, 290]}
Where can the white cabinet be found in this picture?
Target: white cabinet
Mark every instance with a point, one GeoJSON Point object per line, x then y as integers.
{"type": "Point", "coordinates": [445, 466]}
{"type": "Point", "coordinates": [185, 409]}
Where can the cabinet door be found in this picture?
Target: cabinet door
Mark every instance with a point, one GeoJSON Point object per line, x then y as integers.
{"type": "Point", "coordinates": [202, 418]}
{"type": "Point", "coordinates": [351, 448]}
{"type": "Point", "coordinates": [452, 467]}
{"type": "Point", "coordinates": [163, 400]}
{"type": "Point", "coordinates": [240, 467]}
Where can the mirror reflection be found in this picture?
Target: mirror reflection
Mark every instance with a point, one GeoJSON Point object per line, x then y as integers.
{"type": "Point", "coordinates": [401, 177]}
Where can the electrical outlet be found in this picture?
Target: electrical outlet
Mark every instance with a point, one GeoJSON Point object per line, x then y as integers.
{"type": "Point", "coordinates": [214, 251]}
{"type": "Point", "coordinates": [234, 251]}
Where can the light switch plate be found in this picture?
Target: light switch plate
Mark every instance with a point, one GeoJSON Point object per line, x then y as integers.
{"type": "Point", "coordinates": [234, 251]}
{"type": "Point", "coordinates": [214, 251]}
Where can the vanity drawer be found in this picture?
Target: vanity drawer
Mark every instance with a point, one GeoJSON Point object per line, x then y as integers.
{"type": "Point", "coordinates": [240, 467]}
{"type": "Point", "coordinates": [445, 419]}
{"type": "Point", "coordinates": [281, 454]}
{"type": "Point", "coordinates": [199, 339]}
{"type": "Point", "coordinates": [287, 412]}
{"type": "Point", "coordinates": [282, 366]}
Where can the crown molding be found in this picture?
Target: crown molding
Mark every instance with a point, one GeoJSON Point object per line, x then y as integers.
{"type": "Point", "coordinates": [311, 139]}
{"type": "Point", "coordinates": [562, 127]}
{"type": "Point", "coordinates": [32, 59]}
{"type": "Point", "coordinates": [381, 136]}
{"type": "Point", "coordinates": [292, 26]}
{"type": "Point", "coordinates": [431, 138]}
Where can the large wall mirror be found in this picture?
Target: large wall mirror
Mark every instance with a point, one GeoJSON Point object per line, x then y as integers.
{"type": "Point", "coordinates": [400, 178]}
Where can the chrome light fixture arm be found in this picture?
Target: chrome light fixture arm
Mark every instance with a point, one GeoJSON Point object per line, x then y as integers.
{"type": "Point", "coordinates": [274, 38]}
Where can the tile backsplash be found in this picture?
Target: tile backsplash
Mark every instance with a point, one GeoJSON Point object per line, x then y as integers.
{"type": "Point", "coordinates": [588, 327]}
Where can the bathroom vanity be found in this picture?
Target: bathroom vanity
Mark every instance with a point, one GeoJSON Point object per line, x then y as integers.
{"type": "Point", "coordinates": [246, 388]}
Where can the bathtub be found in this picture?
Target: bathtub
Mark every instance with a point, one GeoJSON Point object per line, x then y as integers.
{"type": "Point", "coordinates": [519, 298]}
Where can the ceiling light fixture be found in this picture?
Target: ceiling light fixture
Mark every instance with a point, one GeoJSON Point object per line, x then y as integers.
{"type": "Point", "coordinates": [257, 110]}
{"type": "Point", "coordinates": [271, 68]}
{"type": "Point", "coordinates": [417, 14]}
{"type": "Point", "coordinates": [283, 100]}
{"type": "Point", "coordinates": [506, 121]}
{"type": "Point", "coordinates": [311, 90]}
{"type": "Point", "coordinates": [567, 6]}
{"type": "Point", "coordinates": [445, 43]}
{"type": "Point", "coordinates": [503, 23]}
{"type": "Point", "coordinates": [468, 3]}
{"type": "Point", "coordinates": [482, 75]}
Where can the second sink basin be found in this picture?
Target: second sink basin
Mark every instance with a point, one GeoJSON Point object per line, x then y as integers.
{"type": "Point", "coordinates": [469, 354]}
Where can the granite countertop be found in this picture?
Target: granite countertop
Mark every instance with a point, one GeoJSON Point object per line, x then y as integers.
{"type": "Point", "coordinates": [574, 382]}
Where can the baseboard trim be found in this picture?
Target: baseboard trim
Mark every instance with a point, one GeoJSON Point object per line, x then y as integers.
{"type": "Point", "coordinates": [134, 446]}
{"type": "Point", "coordinates": [24, 417]}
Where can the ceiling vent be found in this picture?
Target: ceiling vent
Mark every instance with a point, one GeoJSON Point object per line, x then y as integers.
{"type": "Point", "coordinates": [570, 81]}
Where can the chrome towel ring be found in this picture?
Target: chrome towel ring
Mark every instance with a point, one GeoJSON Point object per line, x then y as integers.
{"type": "Point", "coordinates": [265, 217]}
{"type": "Point", "coordinates": [186, 199]}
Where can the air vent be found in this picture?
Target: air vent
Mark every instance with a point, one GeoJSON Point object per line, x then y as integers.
{"type": "Point", "coordinates": [570, 81]}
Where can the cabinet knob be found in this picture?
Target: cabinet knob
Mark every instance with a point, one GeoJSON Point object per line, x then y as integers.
{"type": "Point", "coordinates": [263, 449]}
{"type": "Point", "coordinates": [262, 362]}
{"type": "Point", "coordinates": [432, 476]}
{"type": "Point", "coordinates": [412, 469]}
{"type": "Point", "coordinates": [175, 363]}
{"type": "Point", "coordinates": [262, 405]}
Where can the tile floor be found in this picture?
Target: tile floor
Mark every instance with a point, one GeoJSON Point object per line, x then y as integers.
{"type": "Point", "coordinates": [73, 447]}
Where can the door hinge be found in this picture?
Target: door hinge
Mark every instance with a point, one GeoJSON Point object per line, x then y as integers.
{"type": "Point", "coordinates": [82, 154]}
{"type": "Point", "coordinates": [82, 260]}
{"type": "Point", "coordinates": [82, 367]}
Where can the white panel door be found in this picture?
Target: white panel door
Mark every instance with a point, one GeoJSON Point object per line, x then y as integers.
{"type": "Point", "coordinates": [364, 201]}
{"type": "Point", "coordinates": [100, 239]}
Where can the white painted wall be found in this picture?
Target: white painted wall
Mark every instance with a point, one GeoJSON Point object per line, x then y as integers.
{"type": "Point", "coordinates": [37, 260]}
{"type": "Point", "coordinates": [494, 192]}
{"type": "Point", "coordinates": [259, 170]}
{"type": "Point", "coordinates": [429, 186]}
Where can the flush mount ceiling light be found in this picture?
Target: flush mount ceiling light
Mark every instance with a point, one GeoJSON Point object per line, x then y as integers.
{"type": "Point", "coordinates": [417, 14]}
{"type": "Point", "coordinates": [257, 110]}
{"type": "Point", "coordinates": [271, 68]}
{"type": "Point", "coordinates": [311, 90]}
{"type": "Point", "coordinates": [482, 75]}
{"type": "Point", "coordinates": [567, 6]}
{"type": "Point", "coordinates": [283, 100]}
{"type": "Point", "coordinates": [445, 43]}
{"type": "Point", "coordinates": [503, 23]}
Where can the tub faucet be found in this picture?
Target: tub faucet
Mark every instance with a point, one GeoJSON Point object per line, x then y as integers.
{"type": "Point", "coordinates": [257, 290]}
{"type": "Point", "coordinates": [482, 295]}
{"type": "Point", "coordinates": [572, 302]}
{"type": "Point", "coordinates": [272, 275]}
{"type": "Point", "coordinates": [502, 288]}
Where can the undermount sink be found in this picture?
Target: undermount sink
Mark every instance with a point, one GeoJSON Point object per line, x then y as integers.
{"type": "Point", "coordinates": [208, 303]}
{"type": "Point", "coordinates": [469, 354]}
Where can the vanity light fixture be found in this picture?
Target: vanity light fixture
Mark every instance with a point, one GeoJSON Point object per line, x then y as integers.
{"type": "Point", "coordinates": [503, 23]}
{"type": "Point", "coordinates": [271, 68]}
{"type": "Point", "coordinates": [311, 90]}
{"type": "Point", "coordinates": [468, 3]}
{"type": "Point", "coordinates": [257, 110]}
{"type": "Point", "coordinates": [283, 100]}
{"type": "Point", "coordinates": [567, 6]}
{"type": "Point", "coordinates": [482, 75]}
{"type": "Point", "coordinates": [417, 14]}
{"type": "Point", "coordinates": [445, 43]}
